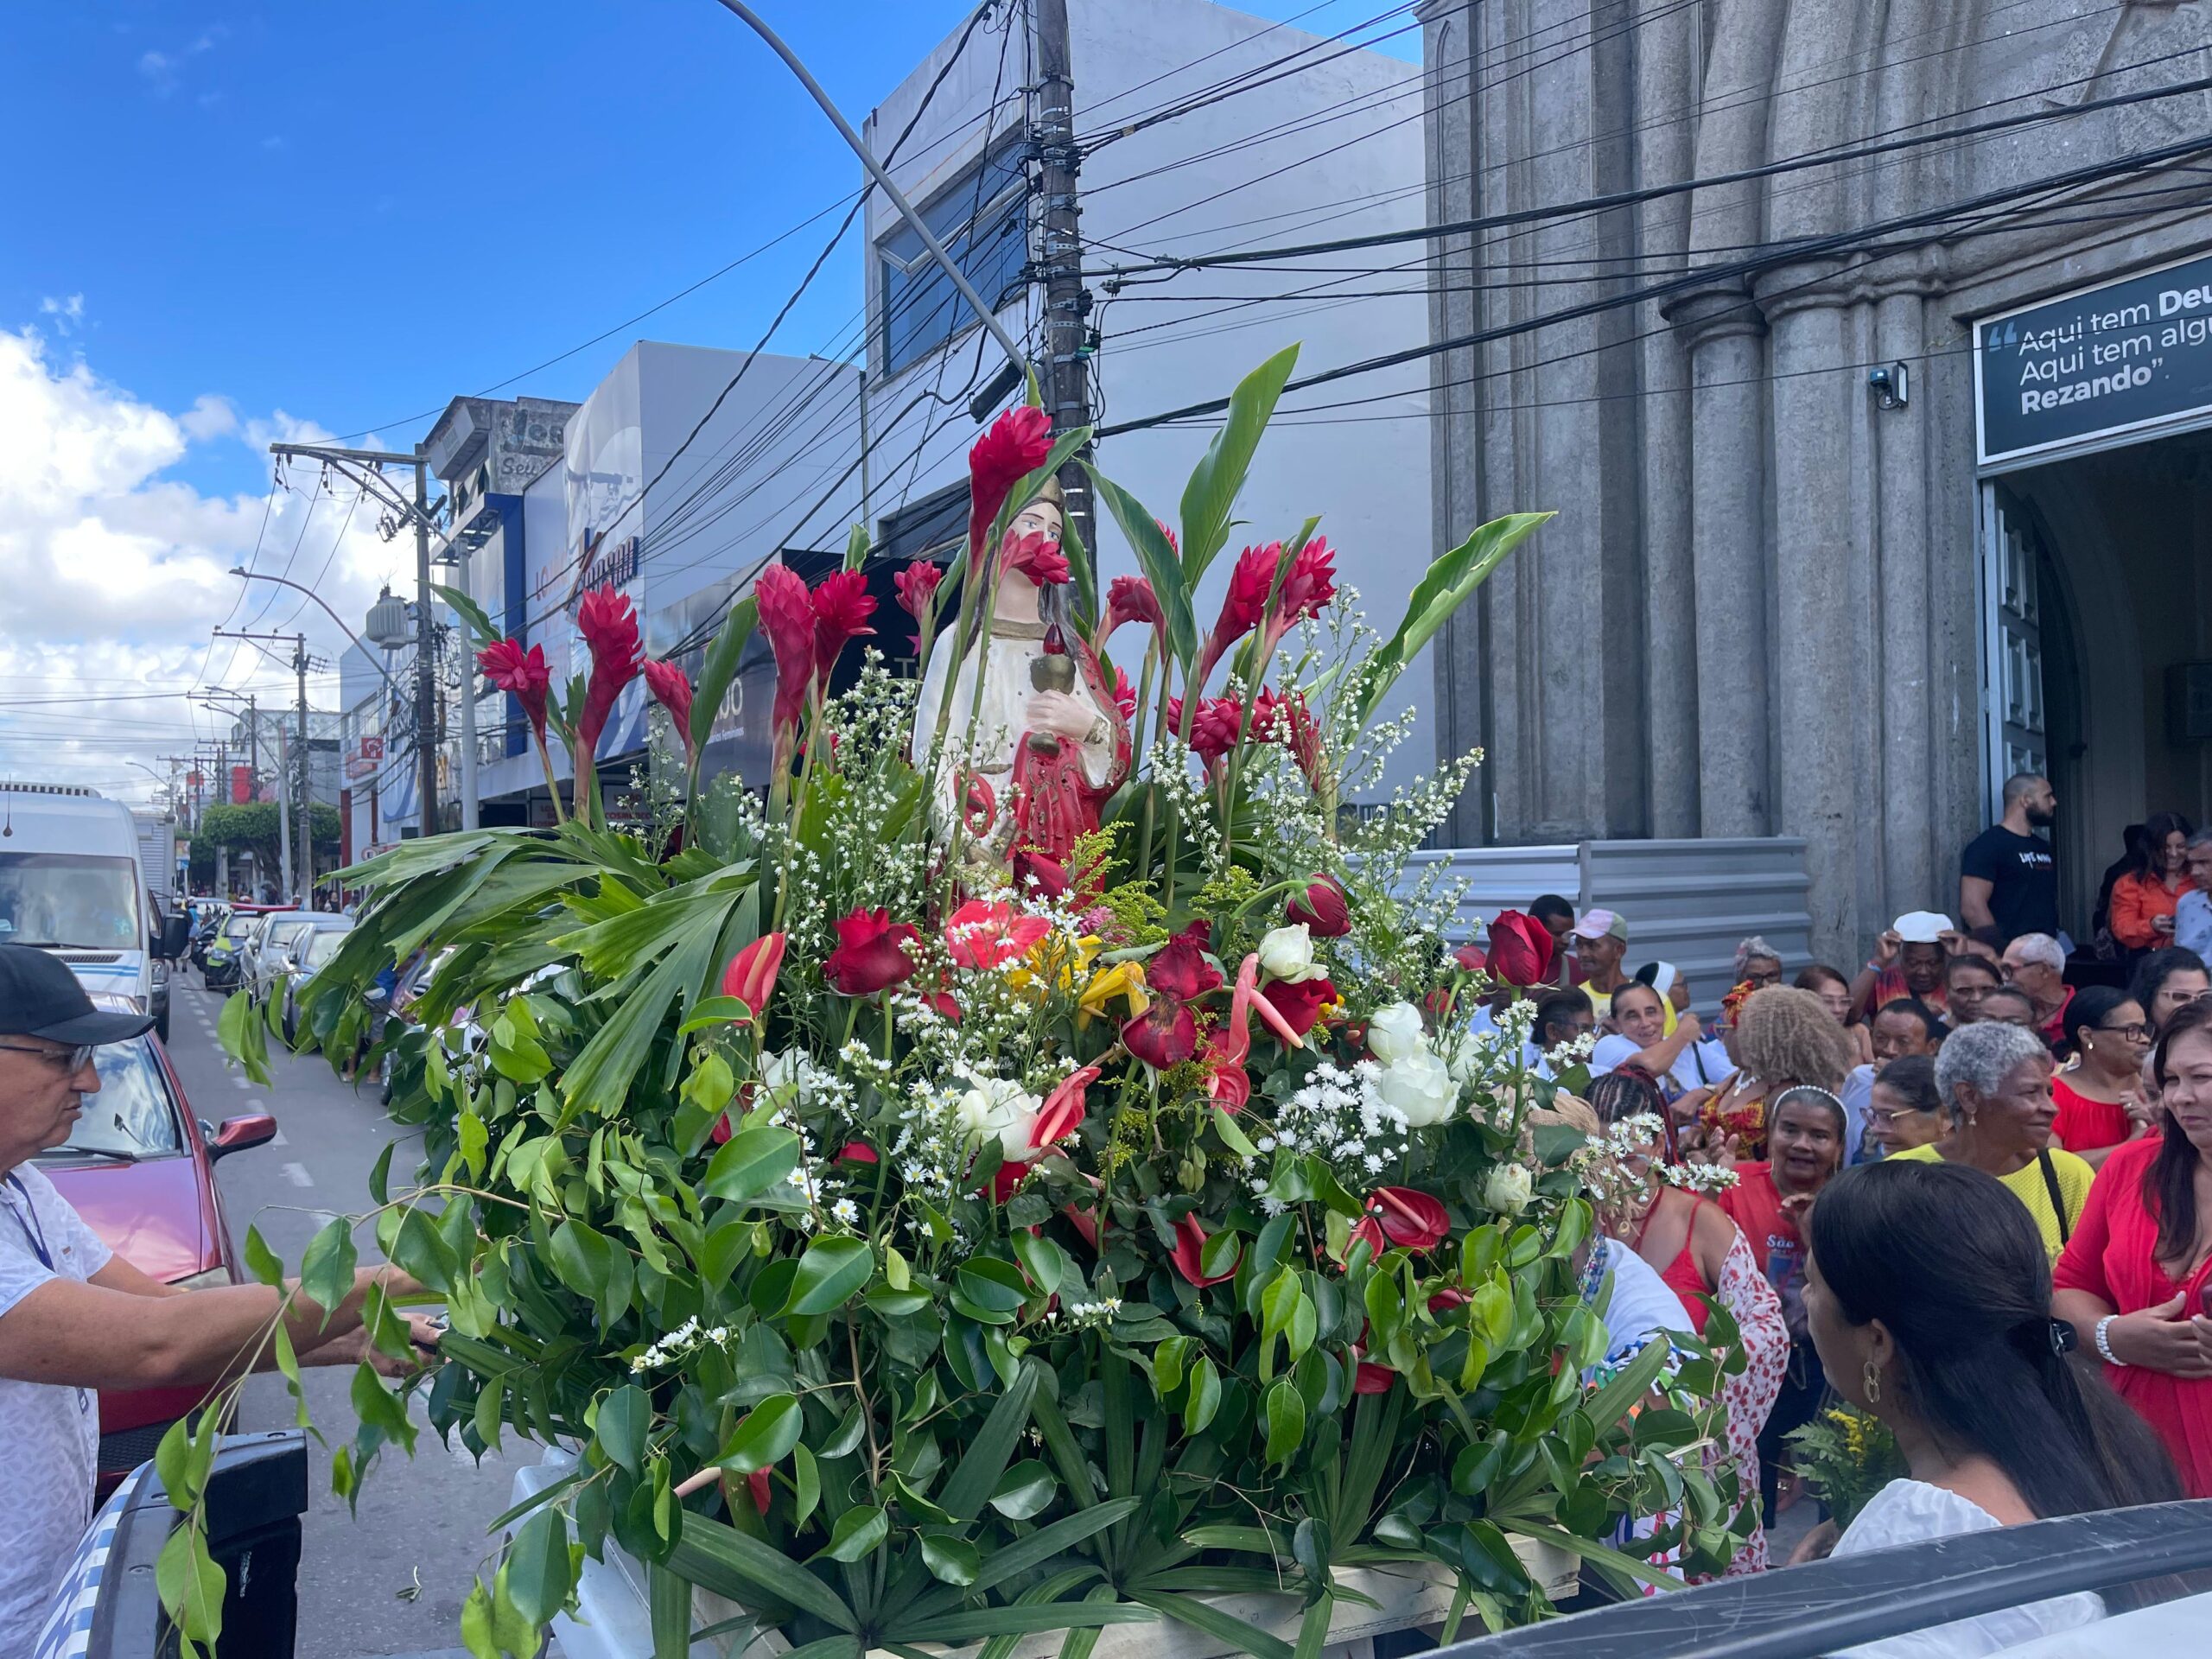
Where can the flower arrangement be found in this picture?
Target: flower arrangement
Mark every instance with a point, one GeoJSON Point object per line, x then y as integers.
{"type": "Point", "coordinates": [1846, 1457]}
{"type": "Point", "coordinates": [918, 1257]}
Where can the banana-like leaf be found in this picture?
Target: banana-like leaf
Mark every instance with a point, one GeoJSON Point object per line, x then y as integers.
{"type": "Point", "coordinates": [1209, 498]}
{"type": "Point", "coordinates": [470, 612]}
{"type": "Point", "coordinates": [719, 667]}
{"type": "Point", "coordinates": [1157, 559]}
{"type": "Point", "coordinates": [1442, 591]}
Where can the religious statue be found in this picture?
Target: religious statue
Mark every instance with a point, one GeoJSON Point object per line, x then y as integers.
{"type": "Point", "coordinates": [1049, 744]}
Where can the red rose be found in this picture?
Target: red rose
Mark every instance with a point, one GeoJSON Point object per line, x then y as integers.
{"type": "Point", "coordinates": [1299, 1004]}
{"type": "Point", "coordinates": [1520, 949]}
{"type": "Point", "coordinates": [871, 954]}
{"type": "Point", "coordinates": [1470, 959]}
{"type": "Point", "coordinates": [1325, 909]}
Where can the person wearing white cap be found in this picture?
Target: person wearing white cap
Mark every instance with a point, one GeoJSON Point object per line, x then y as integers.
{"type": "Point", "coordinates": [1907, 964]}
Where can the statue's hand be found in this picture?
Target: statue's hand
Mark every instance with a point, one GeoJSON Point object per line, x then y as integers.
{"type": "Point", "coordinates": [1061, 713]}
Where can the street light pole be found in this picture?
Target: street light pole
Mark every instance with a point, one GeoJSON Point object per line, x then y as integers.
{"type": "Point", "coordinates": [426, 710]}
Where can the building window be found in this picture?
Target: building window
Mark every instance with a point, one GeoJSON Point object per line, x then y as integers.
{"type": "Point", "coordinates": [982, 220]}
{"type": "Point", "coordinates": [932, 528]}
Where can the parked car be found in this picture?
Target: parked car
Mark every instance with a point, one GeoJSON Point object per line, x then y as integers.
{"type": "Point", "coordinates": [271, 958]}
{"type": "Point", "coordinates": [157, 1001]}
{"type": "Point", "coordinates": [223, 967]}
{"type": "Point", "coordinates": [308, 952]}
{"type": "Point", "coordinates": [140, 1168]}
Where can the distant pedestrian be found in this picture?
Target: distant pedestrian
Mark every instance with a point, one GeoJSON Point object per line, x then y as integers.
{"type": "Point", "coordinates": [1908, 960]}
{"type": "Point", "coordinates": [1967, 978]}
{"type": "Point", "coordinates": [2193, 910]}
{"type": "Point", "coordinates": [2166, 982]}
{"type": "Point", "coordinates": [2145, 896]}
{"type": "Point", "coordinates": [2099, 1092]}
{"type": "Point", "coordinates": [2035, 962]}
{"type": "Point", "coordinates": [2008, 880]}
{"type": "Point", "coordinates": [1759, 964]}
{"type": "Point", "coordinates": [1906, 1110]}
{"type": "Point", "coordinates": [2008, 1005]}
{"type": "Point", "coordinates": [1600, 942]}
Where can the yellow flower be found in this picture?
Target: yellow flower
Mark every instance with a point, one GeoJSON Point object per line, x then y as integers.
{"type": "Point", "coordinates": [1052, 958]}
{"type": "Point", "coordinates": [1124, 981]}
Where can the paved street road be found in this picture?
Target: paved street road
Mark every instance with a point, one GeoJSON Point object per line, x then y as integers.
{"type": "Point", "coordinates": [391, 1581]}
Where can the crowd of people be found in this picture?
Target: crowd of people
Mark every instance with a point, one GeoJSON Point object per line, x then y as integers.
{"type": "Point", "coordinates": [1959, 1184]}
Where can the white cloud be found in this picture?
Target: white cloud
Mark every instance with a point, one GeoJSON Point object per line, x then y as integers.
{"type": "Point", "coordinates": [67, 314]}
{"type": "Point", "coordinates": [116, 571]}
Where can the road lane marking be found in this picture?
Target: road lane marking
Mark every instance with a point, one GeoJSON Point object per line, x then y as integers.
{"type": "Point", "coordinates": [296, 1174]}
{"type": "Point", "coordinates": [278, 1140]}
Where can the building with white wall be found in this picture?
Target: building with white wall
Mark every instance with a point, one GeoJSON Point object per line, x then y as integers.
{"type": "Point", "coordinates": [1308, 138]}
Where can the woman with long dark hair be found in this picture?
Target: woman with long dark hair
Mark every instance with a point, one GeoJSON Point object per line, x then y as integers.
{"type": "Point", "coordinates": [1929, 1302]}
{"type": "Point", "coordinates": [2166, 982]}
{"type": "Point", "coordinates": [2143, 897]}
{"type": "Point", "coordinates": [2133, 1278]}
{"type": "Point", "coordinates": [2099, 1089]}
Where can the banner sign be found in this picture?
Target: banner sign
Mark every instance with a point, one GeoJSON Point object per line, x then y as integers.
{"type": "Point", "coordinates": [2081, 372]}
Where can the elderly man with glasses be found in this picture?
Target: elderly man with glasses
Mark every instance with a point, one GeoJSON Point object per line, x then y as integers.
{"type": "Point", "coordinates": [2034, 964]}
{"type": "Point", "coordinates": [74, 1317]}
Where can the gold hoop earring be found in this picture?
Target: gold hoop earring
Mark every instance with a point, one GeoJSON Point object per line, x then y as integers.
{"type": "Point", "coordinates": [1872, 1378]}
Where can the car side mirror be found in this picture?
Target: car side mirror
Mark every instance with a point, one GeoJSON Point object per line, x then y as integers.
{"type": "Point", "coordinates": [237, 1134]}
{"type": "Point", "coordinates": [176, 935]}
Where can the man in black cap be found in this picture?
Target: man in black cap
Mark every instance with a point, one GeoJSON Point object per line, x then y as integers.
{"type": "Point", "coordinates": [74, 1317]}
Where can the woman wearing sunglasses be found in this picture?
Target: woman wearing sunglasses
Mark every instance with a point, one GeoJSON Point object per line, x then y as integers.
{"type": "Point", "coordinates": [2099, 1092]}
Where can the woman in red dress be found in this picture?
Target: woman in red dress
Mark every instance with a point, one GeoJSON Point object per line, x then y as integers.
{"type": "Point", "coordinates": [2097, 1090]}
{"type": "Point", "coordinates": [2133, 1277]}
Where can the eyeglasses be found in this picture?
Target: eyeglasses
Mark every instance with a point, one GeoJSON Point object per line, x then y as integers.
{"type": "Point", "coordinates": [1878, 1116]}
{"type": "Point", "coordinates": [68, 1060]}
{"type": "Point", "coordinates": [2135, 1033]}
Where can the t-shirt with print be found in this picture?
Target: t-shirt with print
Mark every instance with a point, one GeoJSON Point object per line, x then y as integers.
{"type": "Point", "coordinates": [1614, 1051]}
{"type": "Point", "coordinates": [49, 1435]}
{"type": "Point", "coordinates": [2023, 880]}
{"type": "Point", "coordinates": [1754, 1203]}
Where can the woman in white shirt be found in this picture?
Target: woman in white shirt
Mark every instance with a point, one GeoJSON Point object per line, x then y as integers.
{"type": "Point", "coordinates": [1928, 1291]}
{"type": "Point", "coordinates": [1641, 1038]}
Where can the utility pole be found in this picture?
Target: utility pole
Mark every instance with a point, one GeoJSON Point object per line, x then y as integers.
{"type": "Point", "coordinates": [285, 889]}
{"type": "Point", "coordinates": [305, 862]}
{"type": "Point", "coordinates": [1067, 303]}
{"type": "Point", "coordinates": [365, 468]}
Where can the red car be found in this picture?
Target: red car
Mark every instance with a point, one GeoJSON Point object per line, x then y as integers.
{"type": "Point", "coordinates": [140, 1169]}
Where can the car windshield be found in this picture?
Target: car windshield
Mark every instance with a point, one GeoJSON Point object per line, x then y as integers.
{"type": "Point", "coordinates": [69, 899]}
{"type": "Point", "coordinates": [285, 937]}
{"type": "Point", "coordinates": [131, 1116]}
{"type": "Point", "coordinates": [322, 945]}
{"type": "Point", "coordinates": [237, 927]}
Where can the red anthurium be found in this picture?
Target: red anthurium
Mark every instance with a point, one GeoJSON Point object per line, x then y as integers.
{"type": "Point", "coordinates": [672, 691]}
{"type": "Point", "coordinates": [1447, 1299]}
{"type": "Point", "coordinates": [1131, 599]}
{"type": "Point", "coordinates": [984, 935]}
{"type": "Point", "coordinates": [1520, 949]}
{"type": "Point", "coordinates": [1407, 1217]}
{"type": "Point", "coordinates": [751, 976]}
{"type": "Point", "coordinates": [842, 605]}
{"type": "Point", "coordinates": [871, 954]}
{"type": "Point", "coordinates": [1371, 1378]}
{"type": "Point", "coordinates": [1298, 1006]}
{"type": "Point", "coordinates": [1037, 556]}
{"type": "Point", "coordinates": [857, 1152]}
{"type": "Point", "coordinates": [945, 1004]}
{"type": "Point", "coordinates": [609, 627]}
{"type": "Point", "coordinates": [1189, 1251]}
{"type": "Point", "coordinates": [1015, 445]}
{"type": "Point", "coordinates": [1324, 908]}
{"type": "Point", "coordinates": [917, 584]}
{"type": "Point", "coordinates": [757, 1483]}
{"type": "Point", "coordinates": [522, 674]}
{"type": "Point", "coordinates": [1242, 607]}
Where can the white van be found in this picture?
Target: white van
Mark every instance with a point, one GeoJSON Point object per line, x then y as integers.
{"type": "Point", "coordinates": [70, 882]}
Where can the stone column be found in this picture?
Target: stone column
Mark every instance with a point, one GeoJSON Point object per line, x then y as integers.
{"type": "Point", "coordinates": [1666, 67]}
{"type": "Point", "coordinates": [1723, 332]}
{"type": "Point", "coordinates": [1908, 870]}
{"type": "Point", "coordinates": [1822, 691]}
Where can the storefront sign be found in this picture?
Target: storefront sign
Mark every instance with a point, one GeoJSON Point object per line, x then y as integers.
{"type": "Point", "coordinates": [2125, 358]}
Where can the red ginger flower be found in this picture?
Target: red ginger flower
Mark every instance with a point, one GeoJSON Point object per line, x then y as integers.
{"type": "Point", "coordinates": [751, 976]}
{"type": "Point", "coordinates": [983, 934]}
{"type": "Point", "coordinates": [609, 627]}
{"type": "Point", "coordinates": [1242, 605]}
{"type": "Point", "coordinates": [1308, 586]}
{"type": "Point", "coordinates": [841, 605]}
{"type": "Point", "coordinates": [1037, 556]}
{"type": "Point", "coordinates": [1214, 726]}
{"type": "Point", "coordinates": [1131, 599]}
{"type": "Point", "coordinates": [673, 692]}
{"type": "Point", "coordinates": [871, 954]}
{"type": "Point", "coordinates": [522, 675]}
{"type": "Point", "coordinates": [1324, 908]}
{"type": "Point", "coordinates": [1285, 718]}
{"type": "Point", "coordinates": [1014, 446]}
{"type": "Point", "coordinates": [1125, 695]}
{"type": "Point", "coordinates": [787, 618]}
{"type": "Point", "coordinates": [917, 584]}
{"type": "Point", "coordinates": [1520, 949]}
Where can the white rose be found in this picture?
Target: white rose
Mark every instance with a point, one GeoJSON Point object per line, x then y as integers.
{"type": "Point", "coordinates": [1508, 1189]}
{"type": "Point", "coordinates": [1420, 1085]}
{"type": "Point", "coordinates": [1287, 953]}
{"type": "Point", "coordinates": [1396, 1032]}
{"type": "Point", "coordinates": [998, 1108]}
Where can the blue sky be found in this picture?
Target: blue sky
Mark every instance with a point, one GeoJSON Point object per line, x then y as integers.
{"type": "Point", "coordinates": [227, 222]}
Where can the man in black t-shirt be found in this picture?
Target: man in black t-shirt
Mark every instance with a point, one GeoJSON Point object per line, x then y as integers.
{"type": "Point", "coordinates": [2008, 881]}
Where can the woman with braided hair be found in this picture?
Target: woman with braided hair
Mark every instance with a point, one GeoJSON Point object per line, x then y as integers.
{"type": "Point", "coordinates": [1657, 1209]}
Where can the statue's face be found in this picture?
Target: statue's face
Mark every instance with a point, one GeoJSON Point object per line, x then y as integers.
{"type": "Point", "coordinates": [1039, 517]}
